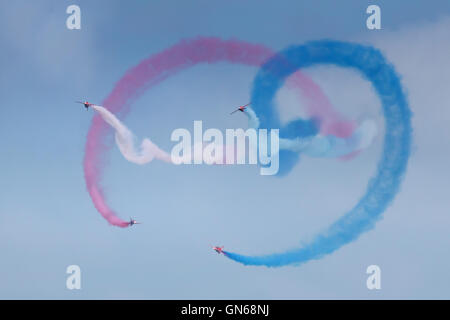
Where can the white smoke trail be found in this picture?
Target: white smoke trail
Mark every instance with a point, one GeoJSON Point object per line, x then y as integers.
{"type": "Point", "coordinates": [329, 146]}
{"type": "Point", "coordinates": [148, 151]}
{"type": "Point", "coordinates": [317, 146]}
{"type": "Point", "coordinates": [326, 146]}
{"type": "Point", "coordinates": [125, 141]}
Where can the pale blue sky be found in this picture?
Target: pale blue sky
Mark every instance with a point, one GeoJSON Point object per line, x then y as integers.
{"type": "Point", "coordinates": [47, 219]}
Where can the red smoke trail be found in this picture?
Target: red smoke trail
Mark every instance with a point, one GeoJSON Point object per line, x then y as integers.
{"type": "Point", "coordinates": [157, 68]}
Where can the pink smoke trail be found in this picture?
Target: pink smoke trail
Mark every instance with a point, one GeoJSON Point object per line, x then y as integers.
{"type": "Point", "coordinates": [318, 106]}
{"type": "Point", "coordinates": [159, 67]}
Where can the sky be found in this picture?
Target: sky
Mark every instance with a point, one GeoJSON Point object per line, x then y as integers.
{"type": "Point", "coordinates": [47, 218]}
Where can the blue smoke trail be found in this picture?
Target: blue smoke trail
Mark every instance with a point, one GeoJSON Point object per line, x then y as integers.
{"type": "Point", "coordinates": [315, 145]}
{"type": "Point", "coordinates": [383, 187]}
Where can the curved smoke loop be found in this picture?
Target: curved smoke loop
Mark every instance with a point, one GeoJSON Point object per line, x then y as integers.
{"type": "Point", "coordinates": [317, 146]}
{"type": "Point", "coordinates": [383, 187]}
{"type": "Point", "coordinates": [159, 67]}
{"type": "Point", "coordinates": [369, 61]}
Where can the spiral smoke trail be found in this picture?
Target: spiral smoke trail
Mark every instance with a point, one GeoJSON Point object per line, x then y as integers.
{"type": "Point", "coordinates": [159, 67]}
{"type": "Point", "coordinates": [383, 187]}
